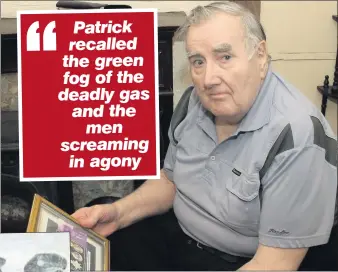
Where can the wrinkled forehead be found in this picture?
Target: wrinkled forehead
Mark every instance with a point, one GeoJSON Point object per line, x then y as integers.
{"type": "Point", "coordinates": [220, 32]}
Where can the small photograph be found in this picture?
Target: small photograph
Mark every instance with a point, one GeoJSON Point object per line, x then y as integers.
{"type": "Point", "coordinates": [35, 252]}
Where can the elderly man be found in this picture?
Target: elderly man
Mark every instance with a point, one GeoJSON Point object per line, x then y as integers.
{"type": "Point", "coordinates": [250, 172]}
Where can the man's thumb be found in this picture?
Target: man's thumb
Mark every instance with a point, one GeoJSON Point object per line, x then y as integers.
{"type": "Point", "coordinates": [87, 218]}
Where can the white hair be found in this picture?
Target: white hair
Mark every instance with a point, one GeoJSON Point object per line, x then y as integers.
{"type": "Point", "coordinates": [254, 32]}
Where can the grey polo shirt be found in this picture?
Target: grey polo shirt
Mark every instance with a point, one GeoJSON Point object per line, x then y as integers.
{"type": "Point", "coordinates": [227, 198]}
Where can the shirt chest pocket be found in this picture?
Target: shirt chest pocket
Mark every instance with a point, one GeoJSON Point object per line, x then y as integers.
{"type": "Point", "coordinates": [237, 196]}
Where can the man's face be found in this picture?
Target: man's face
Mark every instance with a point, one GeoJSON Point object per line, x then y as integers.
{"type": "Point", "coordinates": [226, 80]}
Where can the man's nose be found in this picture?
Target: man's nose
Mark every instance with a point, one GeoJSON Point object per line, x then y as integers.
{"type": "Point", "coordinates": [212, 75]}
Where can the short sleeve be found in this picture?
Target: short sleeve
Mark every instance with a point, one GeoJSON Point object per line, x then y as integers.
{"type": "Point", "coordinates": [170, 157]}
{"type": "Point", "coordinates": [169, 161]}
{"type": "Point", "coordinates": [298, 198]}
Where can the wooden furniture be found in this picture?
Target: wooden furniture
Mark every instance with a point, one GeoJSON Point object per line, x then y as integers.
{"type": "Point", "coordinates": [330, 92]}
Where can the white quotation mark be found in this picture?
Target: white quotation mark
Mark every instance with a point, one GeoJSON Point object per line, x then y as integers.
{"type": "Point", "coordinates": [49, 37]}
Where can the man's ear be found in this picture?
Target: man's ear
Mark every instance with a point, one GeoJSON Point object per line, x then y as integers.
{"type": "Point", "coordinates": [262, 51]}
{"type": "Point", "coordinates": [262, 55]}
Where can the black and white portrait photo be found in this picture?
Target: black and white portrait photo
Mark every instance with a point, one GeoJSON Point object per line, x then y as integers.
{"type": "Point", "coordinates": [35, 252]}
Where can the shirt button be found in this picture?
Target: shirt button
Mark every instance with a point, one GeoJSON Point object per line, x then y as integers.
{"type": "Point", "coordinates": [212, 158]}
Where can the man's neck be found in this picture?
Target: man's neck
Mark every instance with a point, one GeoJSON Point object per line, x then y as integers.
{"type": "Point", "coordinates": [224, 129]}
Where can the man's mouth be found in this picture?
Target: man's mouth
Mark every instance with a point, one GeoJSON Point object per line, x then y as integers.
{"type": "Point", "coordinates": [218, 95]}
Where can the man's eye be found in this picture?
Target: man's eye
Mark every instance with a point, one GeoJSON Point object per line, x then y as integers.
{"type": "Point", "coordinates": [197, 63]}
{"type": "Point", "coordinates": [226, 57]}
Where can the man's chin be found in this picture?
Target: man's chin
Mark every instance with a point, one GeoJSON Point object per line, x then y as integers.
{"type": "Point", "coordinates": [221, 107]}
{"type": "Point", "coordinates": [226, 114]}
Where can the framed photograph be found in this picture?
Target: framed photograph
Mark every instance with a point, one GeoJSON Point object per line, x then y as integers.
{"type": "Point", "coordinates": [88, 250]}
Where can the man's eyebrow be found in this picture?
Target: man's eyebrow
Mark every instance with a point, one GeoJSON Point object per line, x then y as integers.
{"type": "Point", "coordinates": [193, 55]}
{"type": "Point", "coordinates": [222, 48]}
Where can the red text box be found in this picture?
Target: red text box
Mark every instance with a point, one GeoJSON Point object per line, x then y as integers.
{"type": "Point", "coordinates": [88, 95]}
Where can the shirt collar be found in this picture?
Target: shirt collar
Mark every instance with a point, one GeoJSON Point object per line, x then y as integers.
{"type": "Point", "coordinates": [260, 112]}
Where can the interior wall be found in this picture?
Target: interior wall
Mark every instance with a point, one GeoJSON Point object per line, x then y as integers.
{"type": "Point", "coordinates": [302, 40]}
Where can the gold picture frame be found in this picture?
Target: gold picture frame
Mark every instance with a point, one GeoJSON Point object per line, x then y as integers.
{"type": "Point", "coordinates": [89, 250]}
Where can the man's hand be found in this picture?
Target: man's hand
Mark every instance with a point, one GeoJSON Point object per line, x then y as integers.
{"type": "Point", "coordinates": [269, 258]}
{"type": "Point", "coordinates": [103, 219]}
{"type": "Point", "coordinates": [152, 198]}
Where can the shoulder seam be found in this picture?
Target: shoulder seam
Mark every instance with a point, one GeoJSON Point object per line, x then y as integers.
{"type": "Point", "coordinates": [283, 143]}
